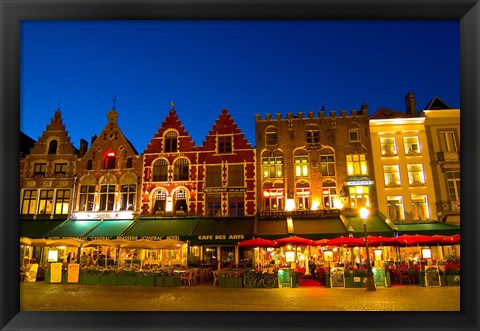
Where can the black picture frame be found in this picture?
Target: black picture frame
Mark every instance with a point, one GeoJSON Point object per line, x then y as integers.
{"type": "Point", "coordinates": [12, 12]}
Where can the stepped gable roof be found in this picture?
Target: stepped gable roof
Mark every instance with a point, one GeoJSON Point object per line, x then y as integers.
{"type": "Point", "coordinates": [385, 113]}
{"type": "Point", "coordinates": [171, 122]}
{"type": "Point", "coordinates": [55, 130]}
{"type": "Point", "coordinates": [225, 124]}
{"type": "Point", "coordinates": [437, 103]}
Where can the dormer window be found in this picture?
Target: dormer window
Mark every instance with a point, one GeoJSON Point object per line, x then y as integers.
{"type": "Point", "coordinates": [170, 142]}
{"type": "Point", "coordinates": [109, 160]}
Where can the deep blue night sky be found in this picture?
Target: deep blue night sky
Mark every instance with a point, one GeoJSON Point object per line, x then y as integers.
{"type": "Point", "coordinates": [248, 67]}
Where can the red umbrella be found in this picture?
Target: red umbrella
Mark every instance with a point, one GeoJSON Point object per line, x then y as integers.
{"type": "Point", "coordinates": [451, 240]}
{"type": "Point", "coordinates": [257, 242]}
{"type": "Point", "coordinates": [295, 240]}
{"type": "Point", "coordinates": [346, 241]}
{"type": "Point", "coordinates": [408, 239]}
{"type": "Point", "coordinates": [381, 241]}
{"type": "Point", "coordinates": [322, 242]}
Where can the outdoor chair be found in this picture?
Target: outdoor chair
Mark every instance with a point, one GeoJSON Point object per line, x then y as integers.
{"type": "Point", "coordinates": [402, 276]}
{"type": "Point", "coordinates": [197, 276]}
{"type": "Point", "coordinates": [187, 277]}
{"type": "Point", "coordinates": [215, 276]}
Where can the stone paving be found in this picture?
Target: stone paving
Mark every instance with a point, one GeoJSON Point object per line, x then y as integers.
{"type": "Point", "coordinates": [66, 297]}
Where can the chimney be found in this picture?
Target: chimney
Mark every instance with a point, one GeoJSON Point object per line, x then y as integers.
{"type": "Point", "coordinates": [410, 104]}
{"type": "Point", "coordinates": [83, 147]}
{"type": "Point", "coordinates": [93, 139]}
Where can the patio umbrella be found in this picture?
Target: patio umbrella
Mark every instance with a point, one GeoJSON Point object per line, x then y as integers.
{"type": "Point", "coordinates": [105, 242]}
{"type": "Point", "coordinates": [25, 241]}
{"type": "Point", "coordinates": [452, 240]}
{"type": "Point", "coordinates": [69, 242]}
{"type": "Point", "coordinates": [257, 242]}
{"type": "Point", "coordinates": [322, 242]}
{"type": "Point", "coordinates": [381, 241]}
{"type": "Point", "coordinates": [168, 244]}
{"type": "Point", "coordinates": [295, 240]}
{"type": "Point", "coordinates": [345, 242]}
{"type": "Point", "coordinates": [33, 242]}
{"type": "Point", "coordinates": [138, 244]}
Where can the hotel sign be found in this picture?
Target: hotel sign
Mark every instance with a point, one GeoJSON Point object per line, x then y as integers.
{"type": "Point", "coordinates": [359, 183]}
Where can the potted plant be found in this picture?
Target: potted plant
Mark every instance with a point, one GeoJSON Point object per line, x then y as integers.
{"type": "Point", "coordinates": [108, 277]}
{"type": "Point", "coordinates": [90, 276]}
{"type": "Point", "coordinates": [126, 277]}
{"type": "Point", "coordinates": [453, 277]}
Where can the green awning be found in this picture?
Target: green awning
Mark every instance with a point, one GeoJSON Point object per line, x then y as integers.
{"type": "Point", "coordinates": [73, 229]}
{"type": "Point", "coordinates": [320, 228]}
{"type": "Point", "coordinates": [376, 226]}
{"type": "Point", "coordinates": [272, 229]}
{"type": "Point", "coordinates": [429, 229]}
{"type": "Point", "coordinates": [222, 231]}
{"type": "Point", "coordinates": [109, 229]}
{"type": "Point", "coordinates": [160, 228]}
{"type": "Point", "coordinates": [36, 229]}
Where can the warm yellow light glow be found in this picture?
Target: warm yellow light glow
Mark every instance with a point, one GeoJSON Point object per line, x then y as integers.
{"type": "Point", "coordinates": [315, 205]}
{"type": "Point", "coordinates": [290, 205]}
{"type": "Point", "coordinates": [364, 213]}
{"type": "Point", "coordinates": [337, 204]}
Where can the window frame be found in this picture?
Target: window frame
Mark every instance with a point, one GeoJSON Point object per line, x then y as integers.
{"type": "Point", "coordinates": [392, 178]}
{"type": "Point", "coordinates": [170, 142]}
{"type": "Point", "coordinates": [386, 148]}
{"type": "Point", "coordinates": [224, 144]}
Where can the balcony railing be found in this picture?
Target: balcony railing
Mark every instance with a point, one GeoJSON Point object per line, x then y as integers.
{"type": "Point", "coordinates": [449, 207]}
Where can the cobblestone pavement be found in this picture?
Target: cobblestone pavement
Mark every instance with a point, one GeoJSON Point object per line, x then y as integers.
{"type": "Point", "coordinates": [66, 297]}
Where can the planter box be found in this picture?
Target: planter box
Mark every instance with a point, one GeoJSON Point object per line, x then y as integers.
{"type": "Point", "coordinates": [443, 279]}
{"type": "Point", "coordinates": [47, 276]}
{"type": "Point", "coordinates": [126, 280]}
{"type": "Point", "coordinates": [145, 280]}
{"type": "Point", "coordinates": [171, 281]}
{"type": "Point", "coordinates": [159, 280]}
{"type": "Point", "coordinates": [230, 282]}
{"type": "Point", "coordinates": [453, 280]}
{"type": "Point", "coordinates": [421, 278]}
{"type": "Point", "coordinates": [327, 279]}
{"type": "Point", "coordinates": [348, 280]}
{"type": "Point", "coordinates": [357, 281]}
{"type": "Point", "coordinates": [108, 279]}
{"type": "Point", "coordinates": [90, 279]}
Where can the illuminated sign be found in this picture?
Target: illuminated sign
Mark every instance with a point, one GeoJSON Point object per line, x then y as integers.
{"type": "Point", "coordinates": [222, 237]}
{"type": "Point", "coordinates": [359, 183]}
{"type": "Point", "coordinates": [273, 193]}
{"type": "Point", "coordinates": [224, 189]}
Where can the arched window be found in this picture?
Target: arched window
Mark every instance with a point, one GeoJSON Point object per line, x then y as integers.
{"type": "Point", "coordinates": [302, 192]}
{"type": "Point", "coordinates": [329, 194]}
{"type": "Point", "coordinates": [109, 160]}
{"type": "Point", "coordinates": [160, 202]}
{"type": "Point", "coordinates": [160, 170]}
{"type": "Point", "coordinates": [180, 201]}
{"type": "Point", "coordinates": [272, 165]}
{"type": "Point", "coordinates": [181, 171]}
{"type": "Point", "coordinates": [52, 148]}
{"type": "Point", "coordinates": [170, 142]}
{"type": "Point", "coordinates": [271, 136]}
{"type": "Point", "coordinates": [301, 163]}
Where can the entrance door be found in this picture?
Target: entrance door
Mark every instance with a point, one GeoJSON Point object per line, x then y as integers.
{"type": "Point", "coordinates": [227, 256]}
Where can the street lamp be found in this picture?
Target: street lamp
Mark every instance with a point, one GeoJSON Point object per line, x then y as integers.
{"type": "Point", "coordinates": [370, 282]}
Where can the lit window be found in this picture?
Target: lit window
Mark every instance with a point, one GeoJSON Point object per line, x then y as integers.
{"type": "Point", "coordinates": [181, 201]}
{"type": "Point", "coordinates": [160, 202]}
{"type": "Point", "coordinates": [356, 164]}
{"type": "Point", "coordinates": [170, 142]}
{"type": "Point", "coordinates": [303, 198]}
{"type": "Point", "coordinates": [45, 204]}
{"type": "Point", "coordinates": [391, 175]}
{"type": "Point", "coordinates": [329, 194]}
{"type": "Point", "coordinates": [327, 165]}
{"type": "Point", "coordinates": [62, 202]}
{"type": "Point", "coordinates": [273, 199]}
{"type": "Point", "coordinates": [301, 166]}
{"type": "Point", "coordinates": [109, 160]}
{"type": "Point", "coordinates": [412, 145]}
{"type": "Point", "coordinates": [29, 202]}
{"type": "Point", "coordinates": [272, 167]}
{"type": "Point", "coordinates": [224, 144]}
{"type": "Point", "coordinates": [395, 208]}
{"type": "Point", "coordinates": [416, 176]}
{"type": "Point", "coordinates": [420, 207]}
{"type": "Point", "coordinates": [388, 146]}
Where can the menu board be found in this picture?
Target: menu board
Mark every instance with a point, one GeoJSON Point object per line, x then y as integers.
{"type": "Point", "coordinates": [432, 277]}
{"type": "Point", "coordinates": [379, 276]}
{"type": "Point", "coordinates": [337, 277]}
{"type": "Point", "coordinates": [73, 273]}
{"type": "Point", "coordinates": [56, 273]}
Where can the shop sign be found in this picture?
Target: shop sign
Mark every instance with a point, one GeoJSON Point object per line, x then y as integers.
{"type": "Point", "coordinates": [222, 237]}
{"type": "Point", "coordinates": [160, 237]}
{"type": "Point", "coordinates": [101, 216]}
{"type": "Point", "coordinates": [224, 189]}
{"type": "Point", "coordinates": [359, 183]}
{"type": "Point", "coordinates": [299, 213]}
{"type": "Point", "coordinates": [273, 193]}
{"type": "Point", "coordinates": [73, 272]}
